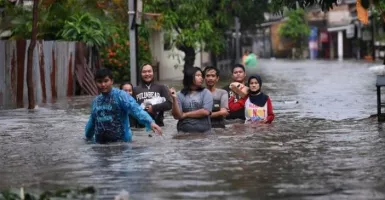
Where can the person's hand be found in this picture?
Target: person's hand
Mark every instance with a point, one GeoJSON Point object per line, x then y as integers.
{"type": "Point", "coordinates": [172, 92]}
{"type": "Point", "coordinates": [156, 128]}
{"type": "Point", "coordinates": [184, 115]}
{"type": "Point", "coordinates": [232, 86]}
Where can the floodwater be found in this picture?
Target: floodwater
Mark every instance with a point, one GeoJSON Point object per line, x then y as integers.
{"type": "Point", "coordinates": [326, 146]}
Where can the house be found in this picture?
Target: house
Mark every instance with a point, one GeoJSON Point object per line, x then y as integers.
{"type": "Point", "coordinates": [338, 33]}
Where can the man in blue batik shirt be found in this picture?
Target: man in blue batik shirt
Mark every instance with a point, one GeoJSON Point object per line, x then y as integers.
{"type": "Point", "coordinates": [110, 110]}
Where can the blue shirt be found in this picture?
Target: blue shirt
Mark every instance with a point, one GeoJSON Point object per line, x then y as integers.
{"type": "Point", "coordinates": [110, 113]}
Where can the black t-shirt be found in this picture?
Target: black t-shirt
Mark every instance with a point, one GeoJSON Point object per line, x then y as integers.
{"type": "Point", "coordinates": [143, 92]}
{"type": "Point", "coordinates": [239, 114]}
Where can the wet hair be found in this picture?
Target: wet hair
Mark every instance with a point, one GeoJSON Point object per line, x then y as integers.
{"type": "Point", "coordinates": [208, 68]}
{"type": "Point", "coordinates": [238, 66]}
{"type": "Point", "coordinates": [188, 79]}
{"type": "Point", "coordinates": [103, 73]}
{"type": "Point", "coordinates": [125, 83]}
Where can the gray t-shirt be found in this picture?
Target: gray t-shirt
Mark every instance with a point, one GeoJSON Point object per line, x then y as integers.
{"type": "Point", "coordinates": [195, 101]}
{"type": "Point", "coordinates": [221, 100]}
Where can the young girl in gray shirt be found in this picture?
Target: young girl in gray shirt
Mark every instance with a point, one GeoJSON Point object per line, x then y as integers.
{"type": "Point", "coordinates": [192, 106]}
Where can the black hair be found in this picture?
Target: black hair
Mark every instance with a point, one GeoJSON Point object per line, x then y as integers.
{"type": "Point", "coordinates": [208, 68]}
{"type": "Point", "coordinates": [140, 72]}
{"type": "Point", "coordinates": [188, 79]}
{"type": "Point", "coordinates": [125, 83]}
{"type": "Point", "coordinates": [103, 73]}
{"type": "Point", "coordinates": [144, 64]}
{"type": "Point", "coordinates": [238, 66]}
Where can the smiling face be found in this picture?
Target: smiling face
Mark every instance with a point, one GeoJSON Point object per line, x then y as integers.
{"type": "Point", "coordinates": [147, 73]}
{"type": "Point", "coordinates": [254, 85]}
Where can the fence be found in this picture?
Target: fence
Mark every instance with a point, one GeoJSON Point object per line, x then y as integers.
{"type": "Point", "coordinates": [53, 71]}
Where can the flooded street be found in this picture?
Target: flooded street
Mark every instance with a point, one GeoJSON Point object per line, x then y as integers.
{"type": "Point", "coordinates": [326, 146]}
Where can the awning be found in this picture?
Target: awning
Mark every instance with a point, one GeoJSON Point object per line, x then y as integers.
{"type": "Point", "coordinates": [350, 30]}
{"type": "Point", "coordinates": [340, 28]}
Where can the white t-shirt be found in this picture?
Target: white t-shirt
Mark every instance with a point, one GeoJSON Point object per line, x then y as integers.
{"type": "Point", "coordinates": [254, 112]}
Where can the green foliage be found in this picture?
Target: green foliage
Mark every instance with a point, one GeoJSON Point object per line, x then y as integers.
{"type": "Point", "coordinates": [116, 55]}
{"type": "Point", "coordinates": [192, 21]}
{"type": "Point", "coordinates": [197, 24]}
{"type": "Point", "coordinates": [250, 12]}
{"type": "Point", "coordinates": [52, 17]}
{"type": "Point", "coordinates": [86, 28]}
{"type": "Point", "coordinates": [82, 193]}
{"type": "Point", "coordinates": [280, 5]}
{"type": "Point", "coordinates": [61, 20]}
{"type": "Point", "coordinates": [100, 25]}
{"type": "Point", "coordinates": [296, 27]}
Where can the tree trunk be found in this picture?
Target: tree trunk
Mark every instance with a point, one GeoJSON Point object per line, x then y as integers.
{"type": "Point", "coordinates": [31, 93]}
{"type": "Point", "coordinates": [189, 58]}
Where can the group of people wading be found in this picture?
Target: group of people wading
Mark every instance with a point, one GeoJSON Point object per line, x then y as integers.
{"type": "Point", "coordinates": [198, 109]}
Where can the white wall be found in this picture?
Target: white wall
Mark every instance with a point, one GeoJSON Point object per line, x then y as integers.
{"type": "Point", "coordinates": [171, 61]}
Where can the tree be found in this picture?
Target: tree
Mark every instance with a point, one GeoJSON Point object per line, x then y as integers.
{"type": "Point", "coordinates": [189, 24]}
{"type": "Point", "coordinates": [201, 24]}
{"type": "Point", "coordinates": [279, 5]}
{"type": "Point", "coordinates": [31, 93]}
{"type": "Point", "coordinates": [193, 24]}
{"type": "Point", "coordinates": [296, 27]}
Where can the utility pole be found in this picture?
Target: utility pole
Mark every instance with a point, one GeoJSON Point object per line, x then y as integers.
{"type": "Point", "coordinates": [133, 42]}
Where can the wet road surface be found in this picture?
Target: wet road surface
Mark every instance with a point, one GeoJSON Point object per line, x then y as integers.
{"type": "Point", "coordinates": [323, 147]}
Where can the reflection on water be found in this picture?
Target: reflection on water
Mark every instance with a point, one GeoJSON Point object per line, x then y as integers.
{"type": "Point", "coordinates": [324, 147]}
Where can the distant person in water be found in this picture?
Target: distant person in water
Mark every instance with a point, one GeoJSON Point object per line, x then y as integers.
{"type": "Point", "coordinates": [257, 106]}
{"type": "Point", "coordinates": [153, 97]}
{"type": "Point", "coordinates": [192, 106]}
{"type": "Point", "coordinates": [127, 87]}
{"type": "Point", "coordinates": [250, 61]}
{"type": "Point", "coordinates": [110, 112]}
{"type": "Point", "coordinates": [220, 98]}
